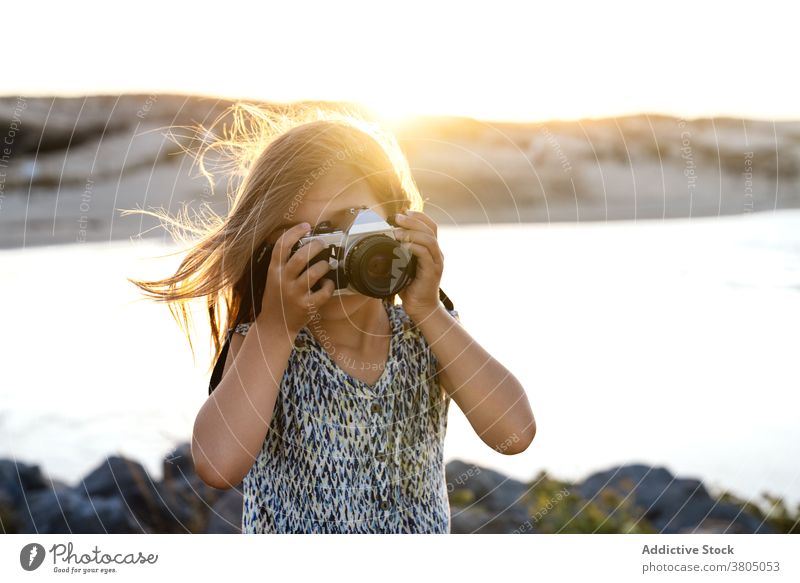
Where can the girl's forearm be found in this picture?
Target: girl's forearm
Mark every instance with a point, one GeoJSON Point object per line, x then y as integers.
{"type": "Point", "coordinates": [489, 395]}
{"type": "Point", "coordinates": [231, 426]}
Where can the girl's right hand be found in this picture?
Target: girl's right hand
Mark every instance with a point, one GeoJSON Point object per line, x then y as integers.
{"type": "Point", "coordinates": [288, 301]}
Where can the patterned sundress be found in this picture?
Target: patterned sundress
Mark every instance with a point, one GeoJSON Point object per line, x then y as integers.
{"type": "Point", "coordinates": [342, 456]}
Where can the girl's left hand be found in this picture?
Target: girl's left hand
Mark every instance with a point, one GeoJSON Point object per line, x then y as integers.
{"type": "Point", "coordinates": [419, 233]}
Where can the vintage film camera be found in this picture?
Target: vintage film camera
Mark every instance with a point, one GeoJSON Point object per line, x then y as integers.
{"type": "Point", "coordinates": [365, 258]}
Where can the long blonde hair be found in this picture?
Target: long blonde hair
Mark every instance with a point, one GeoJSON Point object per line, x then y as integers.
{"type": "Point", "coordinates": [276, 153]}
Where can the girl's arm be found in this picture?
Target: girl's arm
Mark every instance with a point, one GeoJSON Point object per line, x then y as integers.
{"type": "Point", "coordinates": [489, 395]}
{"type": "Point", "coordinates": [230, 428]}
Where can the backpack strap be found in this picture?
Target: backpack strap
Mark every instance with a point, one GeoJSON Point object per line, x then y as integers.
{"type": "Point", "coordinates": [216, 375]}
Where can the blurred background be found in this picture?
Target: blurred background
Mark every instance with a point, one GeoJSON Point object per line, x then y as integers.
{"type": "Point", "coordinates": [617, 187]}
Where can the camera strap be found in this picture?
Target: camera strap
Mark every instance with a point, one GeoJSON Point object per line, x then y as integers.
{"type": "Point", "coordinates": [216, 375]}
{"type": "Point", "coordinates": [445, 300]}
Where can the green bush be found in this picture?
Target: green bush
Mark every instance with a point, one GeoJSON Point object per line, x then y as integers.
{"type": "Point", "coordinates": [555, 507]}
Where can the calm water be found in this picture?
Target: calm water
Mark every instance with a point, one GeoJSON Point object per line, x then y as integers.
{"type": "Point", "coordinates": [671, 343]}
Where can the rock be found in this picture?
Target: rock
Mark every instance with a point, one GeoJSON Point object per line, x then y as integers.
{"type": "Point", "coordinates": [64, 511]}
{"type": "Point", "coordinates": [9, 521]}
{"type": "Point", "coordinates": [468, 520]}
{"type": "Point", "coordinates": [180, 475]}
{"type": "Point", "coordinates": [178, 463]}
{"type": "Point", "coordinates": [116, 475]}
{"type": "Point", "coordinates": [200, 501]}
{"type": "Point", "coordinates": [153, 505]}
{"type": "Point", "coordinates": [492, 489]}
{"type": "Point", "coordinates": [735, 520]}
{"type": "Point", "coordinates": [120, 497]}
{"type": "Point", "coordinates": [477, 520]}
{"type": "Point", "coordinates": [17, 480]}
{"type": "Point", "coordinates": [670, 504]}
{"type": "Point", "coordinates": [226, 514]}
{"type": "Point", "coordinates": [499, 498]}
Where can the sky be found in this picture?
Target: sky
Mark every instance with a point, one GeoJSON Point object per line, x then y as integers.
{"type": "Point", "coordinates": [523, 61]}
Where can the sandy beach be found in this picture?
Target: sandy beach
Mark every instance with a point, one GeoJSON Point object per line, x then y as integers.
{"type": "Point", "coordinates": [70, 165]}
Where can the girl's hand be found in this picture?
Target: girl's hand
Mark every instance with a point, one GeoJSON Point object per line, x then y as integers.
{"type": "Point", "coordinates": [288, 301]}
{"type": "Point", "coordinates": [419, 232]}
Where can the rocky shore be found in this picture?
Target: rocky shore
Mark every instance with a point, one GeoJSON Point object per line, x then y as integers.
{"type": "Point", "coordinates": [120, 497]}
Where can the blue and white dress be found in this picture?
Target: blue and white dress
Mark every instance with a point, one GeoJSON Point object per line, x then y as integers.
{"type": "Point", "coordinates": [342, 456]}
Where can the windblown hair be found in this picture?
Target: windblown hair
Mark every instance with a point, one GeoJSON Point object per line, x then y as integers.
{"type": "Point", "coordinates": [276, 154]}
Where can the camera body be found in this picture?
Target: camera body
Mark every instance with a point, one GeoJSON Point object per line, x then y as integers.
{"type": "Point", "coordinates": [365, 258]}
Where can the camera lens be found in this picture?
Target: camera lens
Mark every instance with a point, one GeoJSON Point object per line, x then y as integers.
{"type": "Point", "coordinates": [379, 266]}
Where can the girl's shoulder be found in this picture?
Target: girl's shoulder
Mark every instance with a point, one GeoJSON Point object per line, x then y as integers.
{"type": "Point", "coordinates": [408, 327]}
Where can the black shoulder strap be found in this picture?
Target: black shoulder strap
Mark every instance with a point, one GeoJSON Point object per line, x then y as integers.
{"type": "Point", "coordinates": [445, 300]}
{"type": "Point", "coordinates": [216, 375]}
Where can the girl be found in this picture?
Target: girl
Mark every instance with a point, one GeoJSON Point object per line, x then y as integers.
{"type": "Point", "coordinates": [332, 409]}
